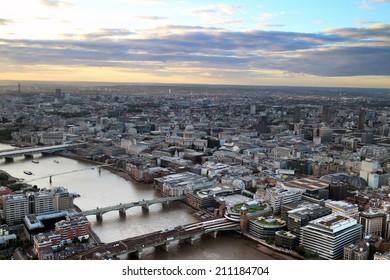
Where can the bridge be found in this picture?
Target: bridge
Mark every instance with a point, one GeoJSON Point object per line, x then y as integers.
{"type": "Point", "coordinates": [166, 239]}
{"type": "Point", "coordinates": [10, 155]}
{"type": "Point", "coordinates": [122, 207]}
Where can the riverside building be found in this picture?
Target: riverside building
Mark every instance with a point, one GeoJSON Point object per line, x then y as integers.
{"type": "Point", "coordinates": [328, 235]}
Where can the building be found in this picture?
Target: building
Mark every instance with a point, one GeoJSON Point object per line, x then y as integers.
{"type": "Point", "coordinates": [52, 138]}
{"type": "Point", "coordinates": [75, 226]}
{"type": "Point", "coordinates": [311, 186]}
{"type": "Point", "coordinates": [325, 118]}
{"type": "Point", "coordinates": [361, 119]}
{"type": "Point", "coordinates": [297, 115]}
{"type": "Point", "coordinates": [5, 237]}
{"type": "Point", "coordinates": [16, 206]}
{"type": "Point", "coordinates": [252, 110]}
{"type": "Point", "coordinates": [328, 235]}
{"type": "Point", "coordinates": [181, 183]}
{"type": "Point", "coordinates": [343, 208]}
{"type": "Point", "coordinates": [4, 191]}
{"type": "Point", "coordinates": [373, 222]}
{"type": "Point", "coordinates": [303, 214]}
{"type": "Point", "coordinates": [382, 257]}
{"type": "Point", "coordinates": [277, 196]}
{"type": "Point", "coordinates": [355, 252]}
{"type": "Point", "coordinates": [262, 125]}
{"type": "Point", "coordinates": [265, 227]}
{"type": "Point", "coordinates": [286, 239]}
{"type": "Point", "coordinates": [207, 197]}
{"type": "Point", "coordinates": [368, 172]}
{"type": "Point", "coordinates": [253, 209]}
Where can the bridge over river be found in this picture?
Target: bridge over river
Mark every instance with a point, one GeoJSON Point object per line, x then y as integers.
{"type": "Point", "coordinates": [122, 207]}
{"type": "Point", "coordinates": [164, 238]}
{"type": "Point", "coordinates": [10, 155]}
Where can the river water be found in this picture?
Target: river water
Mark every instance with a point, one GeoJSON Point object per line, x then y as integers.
{"type": "Point", "coordinates": [106, 188]}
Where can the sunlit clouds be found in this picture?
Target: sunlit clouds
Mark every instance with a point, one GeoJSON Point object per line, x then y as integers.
{"type": "Point", "coordinates": [196, 42]}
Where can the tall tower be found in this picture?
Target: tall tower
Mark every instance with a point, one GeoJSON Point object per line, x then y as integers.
{"type": "Point", "coordinates": [325, 114]}
{"type": "Point", "coordinates": [221, 207]}
{"type": "Point", "coordinates": [361, 119]}
{"type": "Point", "coordinates": [19, 88]}
{"type": "Point", "coordinates": [244, 219]}
{"type": "Point", "coordinates": [297, 114]}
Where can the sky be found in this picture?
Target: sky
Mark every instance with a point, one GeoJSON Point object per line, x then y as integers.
{"type": "Point", "coordinates": [336, 43]}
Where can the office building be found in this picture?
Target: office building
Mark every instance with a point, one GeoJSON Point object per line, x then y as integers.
{"type": "Point", "coordinates": [361, 119]}
{"type": "Point", "coordinates": [328, 235]}
{"type": "Point", "coordinates": [297, 115]}
{"type": "Point", "coordinates": [16, 206]}
{"type": "Point", "coordinates": [373, 222]}
{"type": "Point", "coordinates": [277, 196]}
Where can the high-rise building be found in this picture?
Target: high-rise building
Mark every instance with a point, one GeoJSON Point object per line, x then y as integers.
{"type": "Point", "coordinates": [253, 110]}
{"type": "Point", "coordinates": [16, 206]}
{"type": "Point", "coordinates": [361, 119]}
{"type": "Point", "coordinates": [297, 114]}
{"type": "Point", "coordinates": [373, 222]}
{"type": "Point", "coordinates": [328, 235]}
{"type": "Point", "coordinates": [325, 114]}
{"type": "Point", "coordinates": [262, 126]}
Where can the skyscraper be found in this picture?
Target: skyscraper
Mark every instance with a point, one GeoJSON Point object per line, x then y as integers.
{"type": "Point", "coordinates": [325, 114]}
{"type": "Point", "coordinates": [361, 119]}
{"type": "Point", "coordinates": [297, 114]}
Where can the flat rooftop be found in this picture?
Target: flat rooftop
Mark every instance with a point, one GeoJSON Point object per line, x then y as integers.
{"type": "Point", "coordinates": [309, 184]}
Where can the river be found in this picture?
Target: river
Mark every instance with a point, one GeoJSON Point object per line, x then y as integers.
{"type": "Point", "coordinates": [106, 188]}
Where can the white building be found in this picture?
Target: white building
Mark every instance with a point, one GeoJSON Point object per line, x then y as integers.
{"type": "Point", "coordinates": [277, 196]}
{"type": "Point", "coordinates": [328, 235]}
{"type": "Point", "coordinates": [343, 208]}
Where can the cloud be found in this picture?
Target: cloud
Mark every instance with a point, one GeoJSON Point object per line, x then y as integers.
{"type": "Point", "coordinates": [215, 14]}
{"type": "Point", "coordinates": [364, 22]}
{"type": "Point", "coordinates": [365, 5]}
{"type": "Point", "coordinates": [55, 3]}
{"type": "Point", "coordinates": [150, 18]}
{"type": "Point", "coordinates": [265, 17]}
{"type": "Point", "coordinates": [333, 52]}
{"type": "Point", "coordinates": [5, 21]}
{"type": "Point", "coordinates": [269, 25]}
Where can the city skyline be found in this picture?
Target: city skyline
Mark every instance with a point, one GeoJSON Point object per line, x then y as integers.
{"type": "Point", "coordinates": [264, 43]}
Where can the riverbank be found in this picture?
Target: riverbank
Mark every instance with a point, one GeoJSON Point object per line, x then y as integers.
{"type": "Point", "coordinates": [272, 251]}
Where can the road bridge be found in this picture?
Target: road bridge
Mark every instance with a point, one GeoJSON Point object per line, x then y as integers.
{"type": "Point", "coordinates": [122, 207]}
{"type": "Point", "coordinates": [10, 155]}
{"type": "Point", "coordinates": [165, 238]}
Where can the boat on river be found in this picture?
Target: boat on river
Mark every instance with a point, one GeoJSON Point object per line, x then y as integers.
{"type": "Point", "coordinates": [27, 172]}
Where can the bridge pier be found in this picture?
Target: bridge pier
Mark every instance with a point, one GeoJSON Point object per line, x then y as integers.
{"type": "Point", "coordinates": [99, 217]}
{"type": "Point", "coordinates": [170, 243]}
{"type": "Point", "coordinates": [28, 156]}
{"type": "Point", "coordinates": [195, 238]}
{"type": "Point", "coordinates": [214, 233]}
{"type": "Point", "coordinates": [145, 208]}
{"type": "Point", "coordinates": [9, 159]}
{"type": "Point", "coordinates": [122, 212]}
{"type": "Point", "coordinates": [165, 204]}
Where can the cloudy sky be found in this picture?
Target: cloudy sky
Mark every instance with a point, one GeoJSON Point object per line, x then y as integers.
{"type": "Point", "coordinates": [263, 42]}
